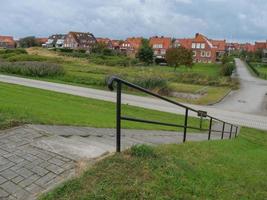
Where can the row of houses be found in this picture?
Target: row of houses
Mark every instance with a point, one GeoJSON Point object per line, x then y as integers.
{"type": "Point", "coordinates": [204, 50]}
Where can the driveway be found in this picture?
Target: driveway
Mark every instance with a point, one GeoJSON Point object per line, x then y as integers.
{"type": "Point", "coordinates": [250, 98]}
{"type": "Point", "coordinates": [231, 109]}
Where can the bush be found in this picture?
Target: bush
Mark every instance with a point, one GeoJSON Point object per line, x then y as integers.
{"type": "Point", "coordinates": [227, 69]}
{"type": "Point", "coordinates": [34, 69]}
{"type": "Point", "coordinates": [26, 57]}
{"type": "Point", "coordinates": [144, 151]}
{"type": "Point", "coordinates": [14, 51]}
{"type": "Point", "coordinates": [65, 50]}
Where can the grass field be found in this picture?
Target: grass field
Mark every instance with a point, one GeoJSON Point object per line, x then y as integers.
{"type": "Point", "coordinates": [225, 170]}
{"type": "Point", "coordinates": [27, 105]}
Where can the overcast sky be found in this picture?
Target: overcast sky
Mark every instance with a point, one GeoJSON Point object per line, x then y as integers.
{"type": "Point", "coordinates": [243, 20]}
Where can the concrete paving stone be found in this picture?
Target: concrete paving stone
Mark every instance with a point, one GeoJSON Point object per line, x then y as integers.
{"type": "Point", "coordinates": [6, 166]}
{"type": "Point", "coordinates": [39, 170]}
{"type": "Point", "coordinates": [17, 179]}
{"type": "Point", "coordinates": [8, 174]}
{"type": "Point", "coordinates": [34, 189]}
{"type": "Point", "coordinates": [56, 161]}
{"type": "Point", "coordinates": [2, 180]}
{"type": "Point", "coordinates": [15, 159]}
{"type": "Point", "coordinates": [3, 194]}
{"type": "Point", "coordinates": [24, 172]}
{"type": "Point", "coordinates": [55, 169]}
{"type": "Point", "coordinates": [15, 190]}
{"type": "Point", "coordinates": [45, 179]}
{"type": "Point", "coordinates": [29, 180]}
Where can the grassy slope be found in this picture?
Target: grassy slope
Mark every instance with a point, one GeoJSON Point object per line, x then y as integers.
{"type": "Point", "coordinates": [23, 104]}
{"type": "Point", "coordinates": [231, 169]}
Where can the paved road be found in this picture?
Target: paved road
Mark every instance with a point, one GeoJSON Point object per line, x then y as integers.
{"type": "Point", "coordinates": [252, 95]}
{"type": "Point", "coordinates": [247, 115]}
{"type": "Point", "coordinates": [35, 158]}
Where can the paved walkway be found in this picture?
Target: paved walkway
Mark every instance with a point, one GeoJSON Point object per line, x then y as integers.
{"type": "Point", "coordinates": [230, 110]}
{"type": "Point", "coordinates": [34, 158]}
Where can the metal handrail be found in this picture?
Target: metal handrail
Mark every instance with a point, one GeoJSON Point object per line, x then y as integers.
{"type": "Point", "coordinates": [200, 113]}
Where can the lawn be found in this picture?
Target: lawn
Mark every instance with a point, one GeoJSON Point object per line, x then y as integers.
{"type": "Point", "coordinates": [225, 170]}
{"type": "Point", "coordinates": [261, 69]}
{"type": "Point", "coordinates": [20, 104]}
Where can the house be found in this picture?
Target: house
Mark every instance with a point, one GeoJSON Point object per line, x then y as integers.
{"type": "Point", "coordinates": [80, 40]}
{"type": "Point", "coordinates": [116, 44]}
{"type": "Point", "coordinates": [131, 46]}
{"type": "Point", "coordinates": [41, 41]}
{"type": "Point", "coordinates": [7, 42]}
{"type": "Point", "coordinates": [106, 41]}
{"type": "Point", "coordinates": [220, 46]}
{"type": "Point", "coordinates": [56, 41]}
{"type": "Point", "coordinates": [259, 46]}
{"type": "Point", "coordinates": [204, 49]}
{"type": "Point", "coordinates": [232, 47]}
{"type": "Point", "coordinates": [264, 56]}
{"type": "Point", "coordinates": [247, 47]}
{"type": "Point", "coordinates": [160, 45]}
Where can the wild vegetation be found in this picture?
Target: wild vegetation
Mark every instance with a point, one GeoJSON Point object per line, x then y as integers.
{"type": "Point", "coordinates": [195, 170]}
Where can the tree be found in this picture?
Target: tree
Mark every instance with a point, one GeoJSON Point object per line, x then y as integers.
{"type": "Point", "coordinates": [145, 53]}
{"type": "Point", "coordinates": [27, 42]}
{"type": "Point", "coordinates": [176, 57]}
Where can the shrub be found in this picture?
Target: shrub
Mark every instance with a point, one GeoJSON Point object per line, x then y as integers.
{"type": "Point", "coordinates": [14, 51]}
{"type": "Point", "coordinates": [227, 69]}
{"type": "Point", "coordinates": [34, 69]}
{"type": "Point", "coordinates": [150, 82]}
{"type": "Point", "coordinates": [144, 151]}
{"type": "Point", "coordinates": [66, 50]}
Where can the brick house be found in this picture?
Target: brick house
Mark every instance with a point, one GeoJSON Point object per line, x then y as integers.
{"type": "Point", "coordinates": [247, 47]}
{"type": "Point", "coordinates": [260, 45]}
{"type": "Point", "coordinates": [79, 40]}
{"type": "Point", "coordinates": [264, 56]}
{"type": "Point", "coordinates": [106, 41]}
{"type": "Point", "coordinates": [131, 46]}
{"type": "Point", "coordinates": [7, 42]}
{"type": "Point", "coordinates": [220, 46]}
{"type": "Point", "coordinates": [204, 51]}
{"type": "Point", "coordinates": [160, 45]}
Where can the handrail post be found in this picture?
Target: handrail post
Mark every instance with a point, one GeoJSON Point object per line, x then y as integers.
{"type": "Point", "coordinates": [118, 118]}
{"type": "Point", "coordinates": [230, 136]}
{"type": "Point", "coordinates": [210, 128]}
{"type": "Point", "coordinates": [236, 129]}
{"type": "Point", "coordinates": [185, 124]}
{"type": "Point", "coordinates": [223, 130]}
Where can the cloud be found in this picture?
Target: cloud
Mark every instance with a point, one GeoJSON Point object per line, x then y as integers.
{"type": "Point", "coordinates": [239, 19]}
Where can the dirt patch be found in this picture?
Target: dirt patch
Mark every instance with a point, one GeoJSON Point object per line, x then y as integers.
{"type": "Point", "coordinates": [187, 95]}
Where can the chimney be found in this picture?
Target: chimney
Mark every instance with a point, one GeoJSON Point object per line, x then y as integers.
{"type": "Point", "coordinates": [197, 34]}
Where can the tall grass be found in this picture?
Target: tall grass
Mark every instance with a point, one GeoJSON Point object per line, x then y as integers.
{"type": "Point", "coordinates": [34, 69]}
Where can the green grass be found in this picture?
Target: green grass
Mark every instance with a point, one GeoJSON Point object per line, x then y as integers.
{"type": "Point", "coordinates": [261, 68]}
{"type": "Point", "coordinates": [27, 105]}
{"type": "Point", "coordinates": [225, 170]}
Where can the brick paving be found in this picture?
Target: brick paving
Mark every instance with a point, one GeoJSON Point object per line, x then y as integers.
{"type": "Point", "coordinates": [25, 171]}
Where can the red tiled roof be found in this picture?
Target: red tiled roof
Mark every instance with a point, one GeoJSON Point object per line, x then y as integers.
{"type": "Point", "coordinates": [135, 42]}
{"type": "Point", "coordinates": [165, 41]}
{"type": "Point", "coordinates": [219, 44]}
{"type": "Point", "coordinates": [103, 40]}
{"type": "Point", "coordinates": [185, 42]}
{"type": "Point", "coordinates": [261, 45]}
{"type": "Point", "coordinates": [7, 39]}
{"type": "Point", "coordinates": [41, 40]}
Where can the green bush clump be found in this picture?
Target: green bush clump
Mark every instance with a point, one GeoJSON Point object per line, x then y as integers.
{"type": "Point", "coordinates": [14, 51]}
{"type": "Point", "coordinates": [34, 69]}
{"type": "Point", "coordinates": [112, 60]}
{"type": "Point", "coordinates": [143, 151]}
{"type": "Point", "coordinates": [65, 50]}
{"type": "Point", "coordinates": [227, 69]}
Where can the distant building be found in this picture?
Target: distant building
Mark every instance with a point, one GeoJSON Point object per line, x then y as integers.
{"type": "Point", "coordinates": [80, 40]}
{"type": "Point", "coordinates": [131, 46]}
{"type": "Point", "coordinates": [264, 56]}
{"type": "Point", "coordinates": [106, 41]}
{"type": "Point", "coordinates": [55, 41]}
{"type": "Point", "coordinates": [204, 50]}
{"type": "Point", "coordinates": [247, 47]}
{"type": "Point", "coordinates": [259, 46]}
{"type": "Point", "coordinates": [41, 41]}
{"type": "Point", "coordinates": [7, 42]}
{"type": "Point", "coordinates": [160, 45]}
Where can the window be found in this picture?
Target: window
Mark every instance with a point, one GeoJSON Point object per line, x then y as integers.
{"type": "Point", "coordinates": [194, 53]}
{"type": "Point", "coordinates": [208, 53]}
{"type": "Point", "coordinates": [163, 51]}
{"type": "Point", "coordinates": [203, 53]}
{"type": "Point", "coordinates": [157, 46]}
{"type": "Point", "coordinates": [193, 45]}
{"type": "Point", "coordinates": [203, 46]}
{"type": "Point", "coordinates": [198, 46]}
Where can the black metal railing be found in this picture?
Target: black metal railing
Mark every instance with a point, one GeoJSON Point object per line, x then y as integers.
{"type": "Point", "coordinates": [200, 113]}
